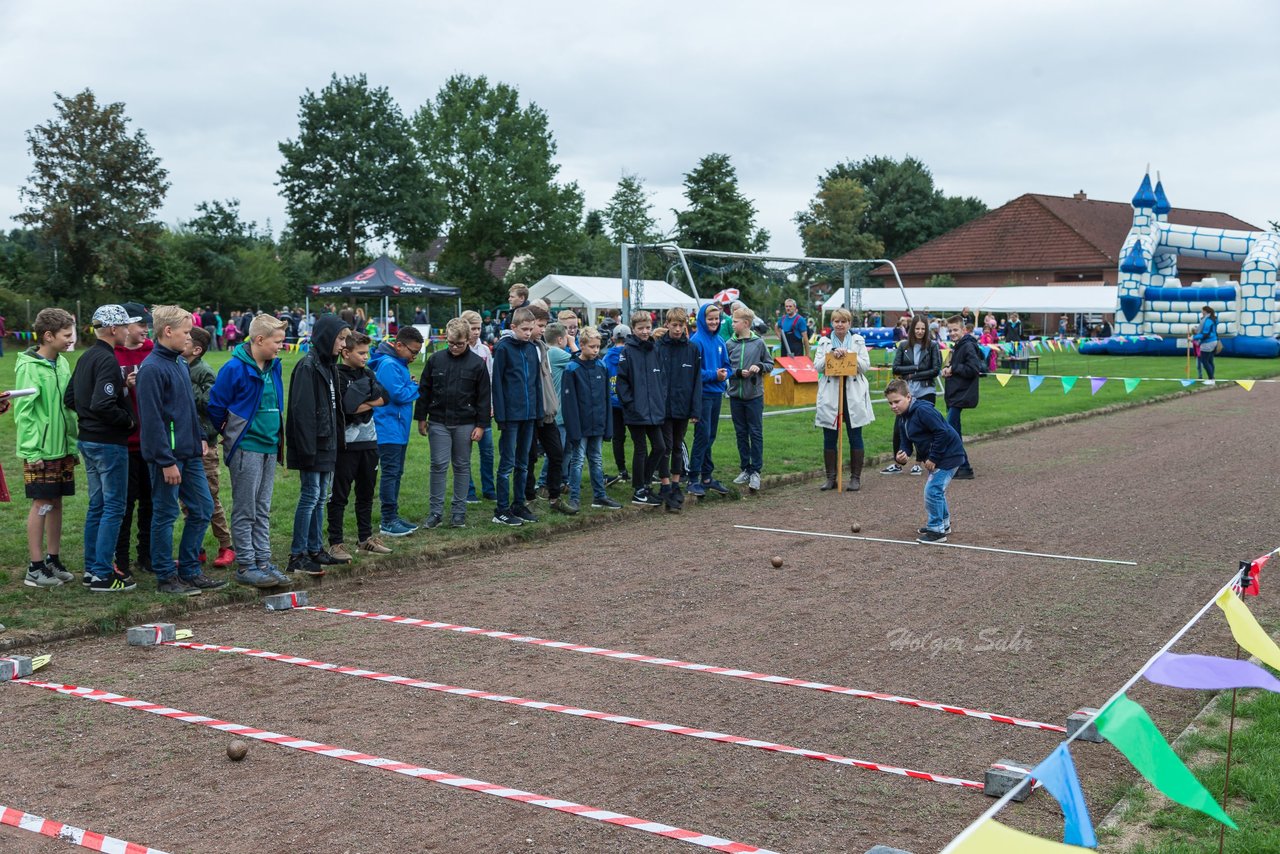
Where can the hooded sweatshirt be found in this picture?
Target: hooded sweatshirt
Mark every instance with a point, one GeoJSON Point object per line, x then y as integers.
{"type": "Point", "coordinates": [45, 426]}
{"type": "Point", "coordinates": [394, 419]}
{"type": "Point", "coordinates": [714, 353]}
{"type": "Point", "coordinates": [357, 386]}
{"type": "Point", "coordinates": [743, 353]}
{"type": "Point", "coordinates": [314, 423]}
{"type": "Point", "coordinates": [244, 405]}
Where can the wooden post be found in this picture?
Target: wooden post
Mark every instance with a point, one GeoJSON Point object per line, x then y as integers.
{"type": "Point", "coordinates": [839, 369]}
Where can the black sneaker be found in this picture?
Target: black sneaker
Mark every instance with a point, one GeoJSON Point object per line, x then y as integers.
{"type": "Point", "coordinates": [509, 519]}
{"type": "Point", "coordinates": [200, 581]}
{"type": "Point", "coordinates": [605, 503]}
{"type": "Point", "coordinates": [176, 586]}
{"type": "Point", "coordinates": [87, 579]}
{"type": "Point", "coordinates": [435, 520]}
{"type": "Point", "coordinates": [523, 514]}
{"type": "Point", "coordinates": [963, 473]}
{"type": "Point", "coordinates": [323, 558]}
{"type": "Point", "coordinates": [458, 521]}
{"type": "Point", "coordinates": [113, 583]}
{"type": "Point", "coordinates": [620, 477]}
{"type": "Point", "coordinates": [304, 564]}
{"type": "Point", "coordinates": [644, 498]}
{"type": "Point", "coordinates": [932, 537]}
{"type": "Point", "coordinates": [947, 530]}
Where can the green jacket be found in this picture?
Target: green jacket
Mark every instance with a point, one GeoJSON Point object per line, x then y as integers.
{"type": "Point", "coordinates": [202, 378]}
{"type": "Point", "coordinates": [46, 429]}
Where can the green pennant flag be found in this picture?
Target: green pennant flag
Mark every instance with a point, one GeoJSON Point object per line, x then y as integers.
{"type": "Point", "coordinates": [1068, 383]}
{"type": "Point", "coordinates": [1128, 727]}
{"type": "Point", "coordinates": [1130, 383]}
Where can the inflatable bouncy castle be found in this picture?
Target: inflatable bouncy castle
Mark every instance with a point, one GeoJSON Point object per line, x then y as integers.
{"type": "Point", "coordinates": [1154, 310]}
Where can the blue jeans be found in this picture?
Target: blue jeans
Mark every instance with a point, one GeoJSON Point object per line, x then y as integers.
{"type": "Point", "coordinates": [308, 518]}
{"type": "Point", "coordinates": [748, 424]}
{"type": "Point", "coordinates": [704, 437]}
{"type": "Point", "coordinates": [953, 418]}
{"type": "Point", "coordinates": [935, 500]}
{"type": "Point", "coordinates": [588, 448]}
{"type": "Point", "coordinates": [391, 461]}
{"type": "Point", "coordinates": [108, 469]}
{"type": "Point", "coordinates": [514, 441]}
{"type": "Point", "coordinates": [193, 491]}
{"type": "Point", "coordinates": [486, 466]}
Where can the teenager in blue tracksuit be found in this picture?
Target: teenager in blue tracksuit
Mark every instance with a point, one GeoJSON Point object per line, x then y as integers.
{"type": "Point", "coordinates": [682, 365]}
{"type": "Point", "coordinates": [517, 407]}
{"type": "Point", "coordinates": [611, 357]}
{"type": "Point", "coordinates": [390, 365]}
{"type": "Point", "coordinates": [715, 372]}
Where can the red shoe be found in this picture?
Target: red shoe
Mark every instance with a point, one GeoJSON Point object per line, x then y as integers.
{"type": "Point", "coordinates": [203, 557]}
{"type": "Point", "coordinates": [226, 557]}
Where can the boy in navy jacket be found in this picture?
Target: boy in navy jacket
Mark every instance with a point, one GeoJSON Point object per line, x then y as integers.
{"type": "Point", "coordinates": [642, 391]}
{"type": "Point", "coordinates": [584, 402]}
{"type": "Point", "coordinates": [612, 355]}
{"type": "Point", "coordinates": [517, 407]}
{"type": "Point", "coordinates": [682, 365]}
{"type": "Point", "coordinates": [173, 446]}
{"type": "Point", "coordinates": [943, 450]}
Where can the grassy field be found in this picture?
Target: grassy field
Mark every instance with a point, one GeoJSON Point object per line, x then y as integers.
{"type": "Point", "coordinates": [792, 444]}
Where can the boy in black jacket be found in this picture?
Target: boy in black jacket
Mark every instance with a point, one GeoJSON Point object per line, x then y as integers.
{"type": "Point", "coordinates": [960, 383]}
{"type": "Point", "coordinates": [588, 422]}
{"type": "Point", "coordinates": [642, 391]}
{"type": "Point", "coordinates": [682, 366]}
{"type": "Point", "coordinates": [173, 446]}
{"type": "Point", "coordinates": [452, 411]}
{"type": "Point", "coordinates": [359, 393]}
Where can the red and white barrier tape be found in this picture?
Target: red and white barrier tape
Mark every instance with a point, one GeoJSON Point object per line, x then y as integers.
{"type": "Point", "coordinates": [591, 714]}
{"type": "Point", "coordinates": [698, 668]}
{"type": "Point", "coordinates": [74, 835]}
{"type": "Point", "coordinates": [703, 840]}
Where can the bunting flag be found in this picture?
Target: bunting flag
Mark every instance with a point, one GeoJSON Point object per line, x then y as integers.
{"type": "Point", "coordinates": [992, 837]}
{"type": "Point", "coordinates": [1033, 382]}
{"type": "Point", "coordinates": [1097, 383]}
{"type": "Point", "coordinates": [1130, 730]}
{"type": "Point", "coordinates": [1186, 383]}
{"type": "Point", "coordinates": [1246, 631]}
{"type": "Point", "coordinates": [1003, 379]}
{"type": "Point", "coordinates": [1130, 383]}
{"type": "Point", "coordinates": [1058, 774]}
{"type": "Point", "coordinates": [1250, 581]}
{"type": "Point", "coordinates": [1206, 673]}
{"type": "Point", "coordinates": [1068, 383]}
{"type": "Point", "coordinates": [986, 351]}
{"type": "Point", "coordinates": [1247, 385]}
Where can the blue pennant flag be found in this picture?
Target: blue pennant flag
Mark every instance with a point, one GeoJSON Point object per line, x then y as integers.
{"type": "Point", "coordinates": [1058, 774]}
{"type": "Point", "coordinates": [1033, 382]}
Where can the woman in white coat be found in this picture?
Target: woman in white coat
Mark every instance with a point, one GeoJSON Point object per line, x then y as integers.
{"type": "Point", "coordinates": [843, 344]}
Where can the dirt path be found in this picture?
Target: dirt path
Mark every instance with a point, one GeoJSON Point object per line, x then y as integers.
{"type": "Point", "coordinates": [1180, 487]}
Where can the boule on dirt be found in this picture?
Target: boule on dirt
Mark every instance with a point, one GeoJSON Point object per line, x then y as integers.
{"type": "Point", "coordinates": [855, 527]}
{"type": "Point", "coordinates": [776, 561]}
{"type": "Point", "coordinates": [237, 750]}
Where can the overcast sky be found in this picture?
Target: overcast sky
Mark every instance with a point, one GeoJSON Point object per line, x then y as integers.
{"type": "Point", "coordinates": [997, 98]}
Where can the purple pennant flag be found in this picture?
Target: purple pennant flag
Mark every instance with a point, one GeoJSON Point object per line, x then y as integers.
{"type": "Point", "coordinates": [1208, 673]}
{"type": "Point", "coordinates": [1097, 383]}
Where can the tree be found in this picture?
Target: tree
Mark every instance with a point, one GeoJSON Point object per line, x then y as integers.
{"type": "Point", "coordinates": [719, 217]}
{"type": "Point", "coordinates": [93, 192]}
{"type": "Point", "coordinates": [353, 175]}
{"type": "Point", "coordinates": [494, 159]}
{"type": "Point", "coordinates": [629, 216]}
{"type": "Point", "coordinates": [832, 225]}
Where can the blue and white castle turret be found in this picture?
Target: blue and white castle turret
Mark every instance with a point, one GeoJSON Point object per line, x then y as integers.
{"type": "Point", "coordinates": [1136, 261]}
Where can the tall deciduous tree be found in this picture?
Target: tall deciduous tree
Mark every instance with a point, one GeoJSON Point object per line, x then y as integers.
{"type": "Point", "coordinates": [494, 160]}
{"type": "Point", "coordinates": [353, 175]}
{"type": "Point", "coordinates": [93, 193]}
{"type": "Point", "coordinates": [718, 216]}
{"type": "Point", "coordinates": [629, 216]}
{"type": "Point", "coordinates": [832, 225]}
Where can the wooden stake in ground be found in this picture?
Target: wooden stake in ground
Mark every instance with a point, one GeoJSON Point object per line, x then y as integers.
{"type": "Point", "coordinates": [839, 369]}
{"type": "Point", "coordinates": [1226, 775]}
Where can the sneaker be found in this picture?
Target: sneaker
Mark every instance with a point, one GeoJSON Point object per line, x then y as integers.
{"type": "Point", "coordinates": [373, 545]}
{"type": "Point", "coordinates": [176, 586]}
{"type": "Point", "coordinates": [59, 571]}
{"type": "Point", "coordinates": [255, 578]}
{"type": "Point", "coordinates": [946, 530]}
{"type": "Point", "coordinates": [523, 514]}
{"type": "Point", "coordinates": [491, 496]}
{"type": "Point", "coordinates": [892, 468]}
{"type": "Point", "coordinates": [753, 483]}
{"type": "Point", "coordinates": [644, 498]}
{"type": "Point", "coordinates": [41, 576]}
{"type": "Point", "coordinates": [458, 521]}
{"type": "Point", "coordinates": [509, 519]}
{"type": "Point", "coordinates": [113, 583]}
{"type": "Point", "coordinates": [471, 499]}
{"type": "Point", "coordinates": [917, 469]}
{"type": "Point", "coordinates": [395, 529]}
{"type": "Point", "coordinates": [543, 491]}
{"type": "Point", "coordinates": [605, 503]}
{"type": "Point", "coordinates": [203, 556]}
{"type": "Point", "coordinates": [304, 564]}
{"type": "Point", "coordinates": [405, 522]}
{"type": "Point", "coordinates": [87, 579]}
{"type": "Point", "coordinates": [272, 570]}
{"type": "Point", "coordinates": [620, 477]}
{"type": "Point", "coordinates": [697, 490]}
{"type": "Point", "coordinates": [716, 486]}
{"type": "Point", "coordinates": [932, 537]}
{"type": "Point", "coordinates": [203, 582]}
{"type": "Point", "coordinates": [963, 473]}
{"type": "Point", "coordinates": [743, 477]}
{"type": "Point", "coordinates": [323, 558]}
{"type": "Point", "coordinates": [339, 552]}
{"type": "Point", "coordinates": [226, 557]}
{"type": "Point", "coordinates": [565, 506]}
{"type": "Point", "coordinates": [435, 520]}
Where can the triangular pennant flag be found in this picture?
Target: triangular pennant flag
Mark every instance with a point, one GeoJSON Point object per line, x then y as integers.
{"type": "Point", "coordinates": [1130, 383]}
{"type": "Point", "coordinates": [1128, 727]}
{"type": "Point", "coordinates": [1003, 379]}
{"type": "Point", "coordinates": [986, 351]}
{"type": "Point", "coordinates": [1205, 673]}
{"type": "Point", "coordinates": [992, 837]}
{"type": "Point", "coordinates": [1186, 383]}
{"type": "Point", "coordinates": [1097, 383]}
{"type": "Point", "coordinates": [1251, 577]}
{"type": "Point", "coordinates": [1247, 385]}
{"type": "Point", "coordinates": [1246, 631]}
{"type": "Point", "coordinates": [1068, 383]}
{"type": "Point", "coordinates": [1033, 382]}
{"type": "Point", "coordinates": [1058, 774]}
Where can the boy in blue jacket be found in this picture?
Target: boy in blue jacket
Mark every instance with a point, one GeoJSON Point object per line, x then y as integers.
{"type": "Point", "coordinates": [173, 446]}
{"type": "Point", "coordinates": [517, 407]}
{"type": "Point", "coordinates": [682, 365]}
{"type": "Point", "coordinates": [390, 365]}
{"type": "Point", "coordinates": [584, 402]}
{"type": "Point", "coordinates": [715, 372]}
{"type": "Point", "coordinates": [943, 450]}
{"type": "Point", "coordinates": [611, 357]}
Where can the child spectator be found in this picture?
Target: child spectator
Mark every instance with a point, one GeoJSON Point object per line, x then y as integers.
{"type": "Point", "coordinates": [546, 432]}
{"type": "Point", "coordinates": [314, 434]}
{"type": "Point", "coordinates": [918, 360]}
{"type": "Point", "coordinates": [558, 355]}
{"type": "Point", "coordinates": [202, 379]}
{"type": "Point", "coordinates": [45, 427]}
{"type": "Point", "coordinates": [843, 343]}
{"type": "Point", "coordinates": [620, 333]}
{"type": "Point", "coordinates": [960, 383]}
{"type": "Point", "coordinates": [517, 298]}
{"type": "Point", "coordinates": [359, 395]}
{"type": "Point", "coordinates": [453, 410]}
{"type": "Point", "coordinates": [131, 350]}
{"type": "Point", "coordinates": [944, 454]}
{"type": "Point", "coordinates": [244, 405]}
{"type": "Point", "coordinates": [750, 363]}
{"type": "Point", "coordinates": [390, 364]}
{"type": "Point", "coordinates": [570, 322]}
{"type": "Point", "coordinates": [642, 391]}
{"type": "Point", "coordinates": [477, 346]}
{"type": "Point", "coordinates": [517, 405]}
{"type": "Point", "coordinates": [173, 446]}
{"type": "Point", "coordinates": [584, 401]}
{"type": "Point", "coordinates": [990, 338]}
{"type": "Point", "coordinates": [715, 371]}
{"type": "Point", "coordinates": [682, 366]}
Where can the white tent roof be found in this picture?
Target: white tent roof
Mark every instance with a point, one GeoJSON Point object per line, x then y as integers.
{"type": "Point", "coordinates": [1042, 299]}
{"type": "Point", "coordinates": [597, 292]}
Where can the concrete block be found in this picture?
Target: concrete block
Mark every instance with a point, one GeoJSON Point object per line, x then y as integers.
{"type": "Point", "coordinates": [286, 601]}
{"type": "Point", "coordinates": [885, 849]}
{"type": "Point", "coordinates": [1076, 720]}
{"type": "Point", "coordinates": [14, 667]}
{"type": "Point", "coordinates": [150, 634]}
{"type": "Point", "coordinates": [1000, 781]}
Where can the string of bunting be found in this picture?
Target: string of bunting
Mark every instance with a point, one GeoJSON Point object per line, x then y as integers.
{"type": "Point", "coordinates": [1034, 381]}
{"type": "Point", "coordinates": [1128, 727]}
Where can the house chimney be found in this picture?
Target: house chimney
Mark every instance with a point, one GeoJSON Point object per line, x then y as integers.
{"type": "Point", "coordinates": [1080, 196]}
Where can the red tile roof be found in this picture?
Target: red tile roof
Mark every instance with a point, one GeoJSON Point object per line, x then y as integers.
{"type": "Point", "coordinates": [1049, 233]}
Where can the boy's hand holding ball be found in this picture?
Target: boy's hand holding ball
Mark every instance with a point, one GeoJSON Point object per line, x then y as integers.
{"type": "Point", "coordinates": [901, 458]}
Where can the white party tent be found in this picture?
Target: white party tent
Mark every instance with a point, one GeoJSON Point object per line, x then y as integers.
{"type": "Point", "coordinates": [597, 293]}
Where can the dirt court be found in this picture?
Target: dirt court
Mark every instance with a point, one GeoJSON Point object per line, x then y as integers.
{"type": "Point", "coordinates": [1185, 488]}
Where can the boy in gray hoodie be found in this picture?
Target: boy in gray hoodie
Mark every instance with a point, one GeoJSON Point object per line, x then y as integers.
{"type": "Point", "coordinates": [749, 364]}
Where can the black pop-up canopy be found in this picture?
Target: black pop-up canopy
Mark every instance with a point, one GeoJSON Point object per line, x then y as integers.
{"type": "Point", "coordinates": [385, 280]}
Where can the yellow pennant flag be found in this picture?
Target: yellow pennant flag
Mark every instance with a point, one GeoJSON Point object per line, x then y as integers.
{"type": "Point", "coordinates": [1246, 631]}
{"type": "Point", "coordinates": [1003, 379]}
{"type": "Point", "coordinates": [992, 837]}
{"type": "Point", "coordinates": [1247, 385]}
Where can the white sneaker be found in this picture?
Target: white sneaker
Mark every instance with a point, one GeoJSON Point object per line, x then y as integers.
{"type": "Point", "coordinates": [753, 482]}
{"type": "Point", "coordinates": [892, 468]}
{"type": "Point", "coordinates": [917, 469]}
{"type": "Point", "coordinates": [742, 478]}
